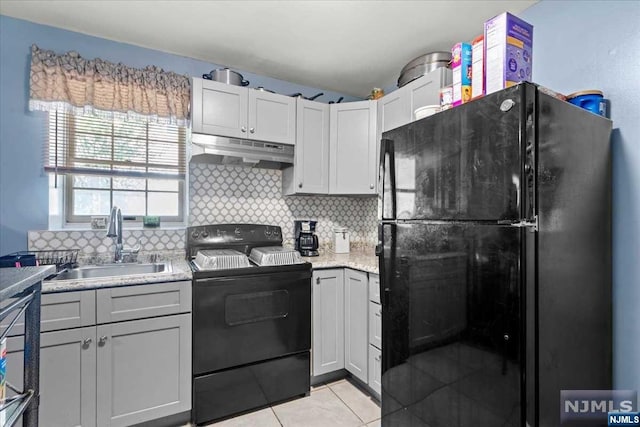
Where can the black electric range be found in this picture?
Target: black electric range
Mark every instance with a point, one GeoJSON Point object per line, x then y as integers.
{"type": "Point", "coordinates": [251, 323]}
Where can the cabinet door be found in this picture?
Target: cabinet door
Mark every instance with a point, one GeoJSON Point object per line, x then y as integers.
{"type": "Point", "coordinates": [356, 303]}
{"type": "Point", "coordinates": [374, 288]}
{"type": "Point", "coordinates": [426, 89]}
{"type": "Point", "coordinates": [375, 369]}
{"type": "Point", "coordinates": [328, 321]}
{"type": "Point", "coordinates": [312, 148]}
{"type": "Point", "coordinates": [394, 110]}
{"type": "Point", "coordinates": [67, 376]}
{"type": "Point", "coordinates": [219, 109]}
{"type": "Point", "coordinates": [352, 148]}
{"type": "Point", "coordinates": [272, 117]}
{"type": "Point", "coordinates": [375, 324]}
{"type": "Point", "coordinates": [144, 369]}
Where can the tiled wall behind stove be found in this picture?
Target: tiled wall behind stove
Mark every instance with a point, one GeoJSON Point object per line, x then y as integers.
{"type": "Point", "coordinates": [224, 194]}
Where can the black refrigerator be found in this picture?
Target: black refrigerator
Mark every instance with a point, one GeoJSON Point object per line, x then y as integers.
{"type": "Point", "coordinates": [495, 262]}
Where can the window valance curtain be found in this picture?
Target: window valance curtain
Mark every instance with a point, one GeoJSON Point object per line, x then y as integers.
{"type": "Point", "coordinates": [69, 83]}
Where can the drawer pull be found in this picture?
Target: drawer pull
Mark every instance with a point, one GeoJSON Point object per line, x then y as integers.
{"type": "Point", "coordinates": [86, 342]}
{"type": "Point", "coordinates": [102, 341]}
{"type": "Point", "coordinates": [317, 280]}
{"type": "Point", "coordinates": [377, 358]}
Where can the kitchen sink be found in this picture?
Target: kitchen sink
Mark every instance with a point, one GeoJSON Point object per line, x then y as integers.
{"type": "Point", "coordinates": [113, 270]}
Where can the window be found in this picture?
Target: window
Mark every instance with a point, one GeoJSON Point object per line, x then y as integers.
{"type": "Point", "coordinates": [139, 167]}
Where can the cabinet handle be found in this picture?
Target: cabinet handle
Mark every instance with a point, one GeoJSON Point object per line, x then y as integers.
{"type": "Point", "coordinates": [300, 185]}
{"type": "Point", "coordinates": [102, 340]}
{"type": "Point", "coordinates": [252, 130]}
{"type": "Point", "coordinates": [86, 342]}
{"type": "Point", "coordinates": [378, 314]}
{"type": "Point", "coordinates": [378, 358]}
{"type": "Point", "coordinates": [243, 129]}
{"type": "Point", "coordinates": [371, 186]}
{"type": "Point", "coordinates": [317, 280]}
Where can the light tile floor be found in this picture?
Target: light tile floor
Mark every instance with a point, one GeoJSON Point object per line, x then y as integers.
{"type": "Point", "coordinates": [340, 404]}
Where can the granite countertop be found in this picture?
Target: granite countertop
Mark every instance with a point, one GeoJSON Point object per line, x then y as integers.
{"type": "Point", "coordinates": [15, 280]}
{"type": "Point", "coordinates": [360, 259]}
{"type": "Point", "coordinates": [180, 271]}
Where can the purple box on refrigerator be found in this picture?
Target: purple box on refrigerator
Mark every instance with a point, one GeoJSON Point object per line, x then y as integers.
{"type": "Point", "coordinates": [508, 52]}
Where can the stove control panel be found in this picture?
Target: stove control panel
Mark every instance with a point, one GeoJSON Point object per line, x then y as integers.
{"type": "Point", "coordinates": [221, 234]}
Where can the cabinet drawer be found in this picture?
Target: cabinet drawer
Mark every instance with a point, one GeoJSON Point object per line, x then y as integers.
{"type": "Point", "coordinates": [138, 302]}
{"type": "Point", "coordinates": [374, 288]}
{"type": "Point", "coordinates": [375, 370]}
{"type": "Point", "coordinates": [375, 324]}
{"type": "Point", "coordinates": [59, 311]}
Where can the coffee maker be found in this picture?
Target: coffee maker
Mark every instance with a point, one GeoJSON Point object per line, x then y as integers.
{"type": "Point", "coordinates": [306, 239]}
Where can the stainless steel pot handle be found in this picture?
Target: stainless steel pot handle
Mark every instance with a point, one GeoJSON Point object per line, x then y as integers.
{"type": "Point", "coordinates": [207, 76]}
{"type": "Point", "coordinates": [244, 83]}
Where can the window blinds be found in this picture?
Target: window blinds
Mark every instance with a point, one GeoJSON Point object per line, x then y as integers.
{"type": "Point", "coordinates": [89, 145]}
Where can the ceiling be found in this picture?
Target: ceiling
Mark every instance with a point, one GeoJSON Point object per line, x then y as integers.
{"type": "Point", "coordinates": [345, 46]}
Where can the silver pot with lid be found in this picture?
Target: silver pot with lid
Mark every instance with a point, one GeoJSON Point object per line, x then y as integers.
{"type": "Point", "coordinates": [422, 65]}
{"type": "Point", "coordinates": [226, 75]}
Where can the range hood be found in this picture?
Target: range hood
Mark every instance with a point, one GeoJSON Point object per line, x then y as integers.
{"type": "Point", "coordinates": [232, 151]}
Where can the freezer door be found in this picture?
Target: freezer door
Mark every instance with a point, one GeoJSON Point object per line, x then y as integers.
{"type": "Point", "coordinates": [463, 163]}
{"type": "Point", "coordinates": [452, 329]}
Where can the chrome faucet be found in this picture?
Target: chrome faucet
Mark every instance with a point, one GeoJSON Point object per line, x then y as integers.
{"type": "Point", "coordinates": [115, 230]}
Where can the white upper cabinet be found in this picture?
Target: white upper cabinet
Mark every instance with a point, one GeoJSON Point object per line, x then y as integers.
{"type": "Point", "coordinates": [397, 108]}
{"type": "Point", "coordinates": [310, 171]}
{"type": "Point", "coordinates": [353, 144]}
{"type": "Point", "coordinates": [272, 117]}
{"type": "Point", "coordinates": [239, 112]}
{"type": "Point", "coordinates": [219, 109]}
{"type": "Point", "coordinates": [394, 110]}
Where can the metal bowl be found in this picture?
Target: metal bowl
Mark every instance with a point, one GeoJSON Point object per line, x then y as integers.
{"type": "Point", "coordinates": [422, 65]}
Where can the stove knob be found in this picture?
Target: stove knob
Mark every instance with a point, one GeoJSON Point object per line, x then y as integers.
{"type": "Point", "coordinates": [205, 234]}
{"type": "Point", "coordinates": [267, 232]}
{"type": "Point", "coordinates": [237, 231]}
{"type": "Point", "coordinates": [195, 234]}
{"type": "Point", "coordinates": [218, 233]}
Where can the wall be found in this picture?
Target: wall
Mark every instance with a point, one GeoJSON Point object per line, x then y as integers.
{"type": "Point", "coordinates": [23, 185]}
{"type": "Point", "coordinates": [234, 193]}
{"type": "Point", "coordinates": [595, 44]}
{"type": "Point", "coordinates": [224, 194]}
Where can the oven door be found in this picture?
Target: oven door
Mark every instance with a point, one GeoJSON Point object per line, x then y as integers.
{"type": "Point", "coordinates": [244, 319]}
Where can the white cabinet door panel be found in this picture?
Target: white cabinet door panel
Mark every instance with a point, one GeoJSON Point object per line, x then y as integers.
{"type": "Point", "coordinates": [67, 376]}
{"type": "Point", "coordinates": [352, 152]}
{"type": "Point", "coordinates": [375, 324]}
{"type": "Point", "coordinates": [356, 338]}
{"type": "Point", "coordinates": [272, 117]}
{"type": "Point", "coordinates": [219, 109]}
{"type": "Point", "coordinates": [144, 369]}
{"type": "Point", "coordinates": [328, 321]}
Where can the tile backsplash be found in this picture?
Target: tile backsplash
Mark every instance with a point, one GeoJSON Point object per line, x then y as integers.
{"type": "Point", "coordinates": [224, 194]}
{"type": "Point", "coordinates": [230, 194]}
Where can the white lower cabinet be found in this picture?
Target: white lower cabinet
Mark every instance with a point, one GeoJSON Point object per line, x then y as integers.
{"type": "Point", "coordinates": [356, 303]}
{"type": "Point", "coordinates": [347, 324]}
{"type": "Point", "coordinates": [114, 374]}
{"type": "Point", "coordinates": [144, 370]}
{"type": "Point", "coordinates": [375, 369]}
{"type": "Point", "coordinates": [67, 376]}
{"type": "Point", "coordinates": [375, 324]}
{"type": "Point", "coordinates": [328, 321]}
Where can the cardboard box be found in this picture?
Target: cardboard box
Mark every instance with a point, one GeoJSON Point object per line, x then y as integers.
{"type": "Point", "coordinates": [508, 52]}
{"type": "Point", "coordinates": [461, 73]}
{"type": "Point", "coordinates": [477, 67]}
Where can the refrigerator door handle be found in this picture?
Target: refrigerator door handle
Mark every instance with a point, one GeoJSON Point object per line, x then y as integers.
{"type": "Point", "coordinates": [387, 163]}
{"type": "Point", "coordinates": [531, 224]}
